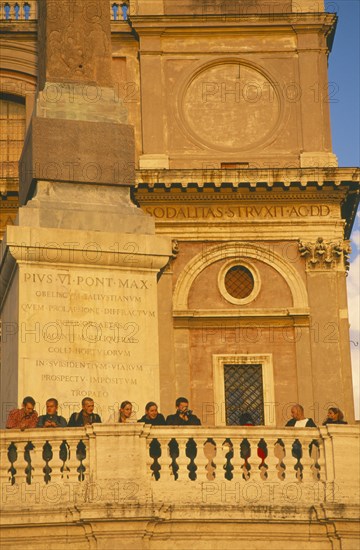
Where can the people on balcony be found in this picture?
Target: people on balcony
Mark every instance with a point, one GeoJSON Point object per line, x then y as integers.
{"type": "Point", "coordinates": [183, 416]}
{"type": "Point", "coordinates": [23, 418]}
{"type": "Point", "coordinates": [298, 419]}
{"type": "Point", "coordinates": [86, 416]}
{"type": "Point", "coordinates": [51, 419]}
{"type": "Point", "coordinates": [334, 416]}
{"type": "Point", "coordinates": [124, 415]}
{"type": "Point", "coordinates": [152, 415]}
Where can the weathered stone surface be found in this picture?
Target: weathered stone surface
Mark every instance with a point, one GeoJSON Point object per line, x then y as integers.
{"type": "Point", "coordinates": [85, 207]}
{"type": "Point", "coordinates": [76, 151]}
{"type": "Point", "coordinates": [80, 316]}
{"type": "Point", "coordinates": [74, 38]}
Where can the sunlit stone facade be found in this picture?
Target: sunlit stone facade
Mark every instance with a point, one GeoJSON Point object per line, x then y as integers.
{"type": "Point", "coordinates": [221, 277]}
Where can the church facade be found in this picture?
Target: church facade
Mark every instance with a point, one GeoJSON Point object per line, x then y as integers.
{"type": "Point", "coordinates": [231, 161]}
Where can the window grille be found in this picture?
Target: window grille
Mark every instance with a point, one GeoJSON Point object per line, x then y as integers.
{"type": "Point", "coordinates": [243, 393]}
{"type": "Point", "coordinates": [239, 282]}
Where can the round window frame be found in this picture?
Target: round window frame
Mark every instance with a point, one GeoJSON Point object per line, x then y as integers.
{"type": "Point", "coordinates": [221, 282]}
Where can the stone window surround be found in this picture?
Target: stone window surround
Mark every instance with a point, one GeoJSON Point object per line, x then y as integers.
{"type": "Point", "coordinates": [221, 282]}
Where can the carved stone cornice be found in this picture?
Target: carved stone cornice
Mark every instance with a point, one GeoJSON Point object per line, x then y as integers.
{"type": "Point", "coordinates": [249, 178]}
{"type": "Point", "coordinates": [321, 255]}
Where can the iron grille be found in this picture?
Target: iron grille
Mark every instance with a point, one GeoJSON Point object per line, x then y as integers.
{"type": "Point", "coordinates": [239, 282]}
{"type": "Point", "coordinates": [243, 393]}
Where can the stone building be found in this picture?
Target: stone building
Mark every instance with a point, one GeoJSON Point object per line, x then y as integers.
{"type": "Point", "coordinates": [226, 284]}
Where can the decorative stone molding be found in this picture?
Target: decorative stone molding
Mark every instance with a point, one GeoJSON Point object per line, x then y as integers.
{"type": "Point", "coordinates": [175, 248]}
{"type": "Point", "coordinates": [325, 255]}
{"type": "Point", "coordinates": [168, 266]}
{"type": "Point", "coordinates": [240, 252]}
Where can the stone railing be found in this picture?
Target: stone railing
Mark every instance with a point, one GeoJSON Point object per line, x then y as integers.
{"type": "Point", "coordinates": [170, 464]}
{"type": "Point", "coordinates": [119, 10]}
{"type": "Point", "coordinates": [16, 10]}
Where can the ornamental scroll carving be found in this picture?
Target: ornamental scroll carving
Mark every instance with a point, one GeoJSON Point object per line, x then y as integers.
{"type": "Point", "coordinates": [174, 253]}
{"type": "Point", "coordinates": [325, 255]}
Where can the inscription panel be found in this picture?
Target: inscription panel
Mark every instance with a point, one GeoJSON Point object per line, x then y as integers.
{"type": "Point", "coordinates": [246, 212]}
{"type": "Point", "coordinates": [88, 332]}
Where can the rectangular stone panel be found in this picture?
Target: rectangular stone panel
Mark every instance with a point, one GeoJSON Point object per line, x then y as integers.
{"type": "Point", "coordinates": [75, 151]}
{"type": "Point", "coordinates": [87, 332]}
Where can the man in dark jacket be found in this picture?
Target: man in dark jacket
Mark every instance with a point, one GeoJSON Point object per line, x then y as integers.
{"type": "Point", "coordinates": [183, 416]}
{"type": "Point", "coordinates": [51, 419]}
{"type": "Point", "coordinates": [86, 416]}
{"type": "Point", "coordinates": [298, 419]}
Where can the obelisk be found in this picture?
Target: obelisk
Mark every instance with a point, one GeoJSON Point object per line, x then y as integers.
{"type": "Point", "coordinates": [78, 272]}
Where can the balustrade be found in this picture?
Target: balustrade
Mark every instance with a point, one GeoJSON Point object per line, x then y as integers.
{"type": "Point", "coordinates": [18, 11]}
{"type": "Point", "coordinates": [180, 462]}
{"type": "Point", "coordinates": [236, 457]}
{"type": "Point", "coordinates": [119, 11]}
{"type": "Point", "coordinates": [43, 456]}
{"type": "Point", "coordinates": [15, 10]}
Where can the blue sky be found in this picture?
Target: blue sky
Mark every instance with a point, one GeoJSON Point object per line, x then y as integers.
{"type": "Point", "coordinates": [344, 72]}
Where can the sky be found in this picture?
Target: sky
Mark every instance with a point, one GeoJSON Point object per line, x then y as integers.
{"type": "Point", "coordinates": [344, 74]}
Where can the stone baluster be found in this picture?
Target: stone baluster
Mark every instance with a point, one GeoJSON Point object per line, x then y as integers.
{"type": "Point", "coordinates": [21, 464]}
{"type": "Point", "coordinates": [182, 461]}
{"type": "Point", "coordinates": [165, 461]}
{"type": "Point", "coordinates": [220, 459]}
{"type": "Point", "coordinates": [291, 474]}
{"type": "Point", "coordinates": [30, 465]}
{"type": "Point", "coordinates": [154, 460]}
{"type": "Point", "coordinates": [56, 463]}
{"type": "Point", "coordinates": [8, 473]}
{"type": "Point", "coordinates": [311, 472]}
{"type": "Point", "coordinates": [9, 462]}
{"type": "Point", "coordinates": [237, 461]}
{"type": "Point", "coordinates": [206, 459]}
{"type": "Point", "coordinates": [321, 460]}
{"type": "Point", "coordinates": [254, 460]}
{"type": "Point", "coordinates": [272, 460]}
{"type": "Point", "coordinates": [73, 463]}
{"type": "Point", "coordinates": [227, 449]}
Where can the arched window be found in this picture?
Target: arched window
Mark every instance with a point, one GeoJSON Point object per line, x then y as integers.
{"type": "Point", "coordinates": [12, 123]}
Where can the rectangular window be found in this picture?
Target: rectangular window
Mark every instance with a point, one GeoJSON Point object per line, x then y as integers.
{"type": "Point", "coordinates": [244, 383]}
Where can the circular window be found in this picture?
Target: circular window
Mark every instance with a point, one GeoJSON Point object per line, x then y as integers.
{"type": "Point", "coordinates": [239, 282]}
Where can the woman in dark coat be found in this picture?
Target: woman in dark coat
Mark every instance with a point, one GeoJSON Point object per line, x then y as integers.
{"type": "Point", "coordinates": [334, 416]}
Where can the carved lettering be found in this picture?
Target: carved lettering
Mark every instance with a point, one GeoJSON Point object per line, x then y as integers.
{"type": "Point", "coordinates": [242, 212]}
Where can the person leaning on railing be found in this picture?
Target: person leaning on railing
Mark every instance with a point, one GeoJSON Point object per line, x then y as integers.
{"type": "Point", "coordinates": [334, 416]}
{"type": "Point", "coordinates": [298, 419]}
{"type": "Point", "coordinates": [51, 419]}
{"type": "Point", "coordinates": [86, 416]}
{"type": "Point", "coordinates": [124, 415]}
{"type": "Point", "coordinates": [152, 415]}
{"type": "Point", "coordinates": [23, 418]}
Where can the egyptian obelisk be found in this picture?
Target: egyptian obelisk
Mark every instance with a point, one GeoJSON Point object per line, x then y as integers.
{"type": "Point", "coordinates": [78, 271]}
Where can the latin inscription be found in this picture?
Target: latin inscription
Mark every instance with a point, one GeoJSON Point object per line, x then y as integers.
{"type": "Point", "coordinates": [84, 333]}
{"type": "Point", "coordinates": [238, 212]}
